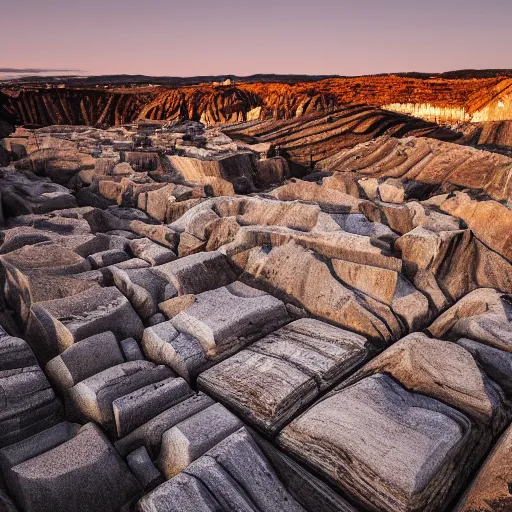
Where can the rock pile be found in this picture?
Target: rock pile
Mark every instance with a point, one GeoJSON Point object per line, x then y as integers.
{"type": "Point", "coordinates": [181, 334]}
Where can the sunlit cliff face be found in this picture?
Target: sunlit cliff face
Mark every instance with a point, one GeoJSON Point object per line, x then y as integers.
{"type": "Point", "coordinates": [492, 103]}
{"type": "Point", "coordinates": [498, 110]}
{"type": "Point", "coordinates": [431, 112]}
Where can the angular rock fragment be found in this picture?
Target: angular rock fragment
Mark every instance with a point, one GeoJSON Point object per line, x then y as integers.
{"type": "Point", "coordinates": [28, 404]}
{"type": "Point", "coordinates": [489, 220]}
{"type": "Point", "coordinates": [329, 199]}
{"type": "Point", "coordinates": [93, 397]}
{"type": "Point", "coordinates": [84, 359]}
{"type": "Point", "coordinates": [33, 446]}
{"type": "Point", "coordinates": [293, 215]}
{"type": "Point", "coordinates": [233, 475]}
{"type": "Point", "coordinates": [221, 232]}
{"type": "Point", "coordinates": [403, 218]}
{"type": "Point", "coordinates": [223, 320]}
{"type": "Point", "coordinates": [490, 491]}
{"type": "Point", "coordinates": [131, 350]}
{"type": "Point", "coordinates": [136, 408]}
{"type": "Point", "coordinates": [337, 244]}
{"type": "Point", "coordinates": [51, 257]}
{"type": "Point", "coordinates": [496, 363]}
{"type": "Point", "coordinates": [65, 321]}
{"type": "Point", "coordinates": [445, 371]}
{"type": "Point", "coordinates": [391, 191]}
{"type": "Point", "coordinates": [198, 273]}
{"type": "Point", "coordinates": [151, 252]}
{"type": "Point", "coordinates": [189, 244]}
{"type": "Point", "coordinates": [171, 307]}
{"type": "Point", "coordinates": [163, 344]}
{"type": "Point", "coordinates": [155, 202]}
{"type": "Point", "coordinates": [193, 437]}
{"type": "Point", "coordinates": [389, 287]}
{"type": "Point", "coordinates": [107, 258]}
{"type": "Point", "coordinates": [298, 275]}
{"type": "Point", "coordinates": [150, 434]}
{"type": "Point", "coordinates": [25, 193]}
{"type": "Point", "coordinates": [482, 315]}
{"type": "Point", "coordinates": [143, 468]}
{"type": "Point", "coordinates": [143, 288]}
{"type": "Point", "coordinates": [14, 352]}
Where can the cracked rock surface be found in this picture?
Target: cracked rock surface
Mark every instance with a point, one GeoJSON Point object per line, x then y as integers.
{"type": "Point", "coordinates": [200, 324]}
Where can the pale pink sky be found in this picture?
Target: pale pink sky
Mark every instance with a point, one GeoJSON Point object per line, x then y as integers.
{"type": "Point", "coordinates": [200, 37]}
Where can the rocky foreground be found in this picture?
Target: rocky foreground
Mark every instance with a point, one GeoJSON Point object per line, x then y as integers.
{"type": "Point", "coordinates": [192, 322]}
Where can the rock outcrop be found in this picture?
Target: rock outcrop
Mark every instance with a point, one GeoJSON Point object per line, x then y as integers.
{"type": "Point", "coordinates": [188, 327]}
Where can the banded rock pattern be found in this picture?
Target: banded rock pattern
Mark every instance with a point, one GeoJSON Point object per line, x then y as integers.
{"type": "Point", "coordinates": [439, 99]}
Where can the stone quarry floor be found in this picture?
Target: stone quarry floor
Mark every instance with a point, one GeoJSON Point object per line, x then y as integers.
{"type": "Point", "coordinates": [187, 327]}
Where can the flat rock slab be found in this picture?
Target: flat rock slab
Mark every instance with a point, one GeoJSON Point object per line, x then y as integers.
{"type": "Point", "coordinates": [234, 475]}
{"type": "Point", "coordinates": [390, 449]}
{"type": "Point", "coordinates": [92, 312]}
{"type": "Point", "coordinates": [226, 319]}
{"type": "Point", "coordinates": [84, 473]}
{"type": "Point", "coordinates": [275, 377]}
{"type": "Point", "coordinates": [198, 272]}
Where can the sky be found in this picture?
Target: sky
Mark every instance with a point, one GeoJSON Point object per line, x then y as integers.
{"type": "Point", "coordinates": [208, 37]}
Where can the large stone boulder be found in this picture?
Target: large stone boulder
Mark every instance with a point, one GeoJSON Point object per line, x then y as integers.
{"type": "Point", "coordinates": [390, 449]}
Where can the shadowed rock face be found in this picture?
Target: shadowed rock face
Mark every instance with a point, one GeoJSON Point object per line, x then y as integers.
{"type": "Point", "coordinates": [6, 119]}
{"type": "Point", "coordinates": [187, 328]}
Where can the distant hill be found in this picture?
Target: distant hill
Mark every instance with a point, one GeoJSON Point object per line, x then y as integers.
{"type": "Point", "coordinates": [137, 80]}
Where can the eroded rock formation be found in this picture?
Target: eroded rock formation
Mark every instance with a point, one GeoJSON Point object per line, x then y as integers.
{"type": "Point", "coordinates": [455, 100]}
{"type": "Point", "coordinates": [187, 327]}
